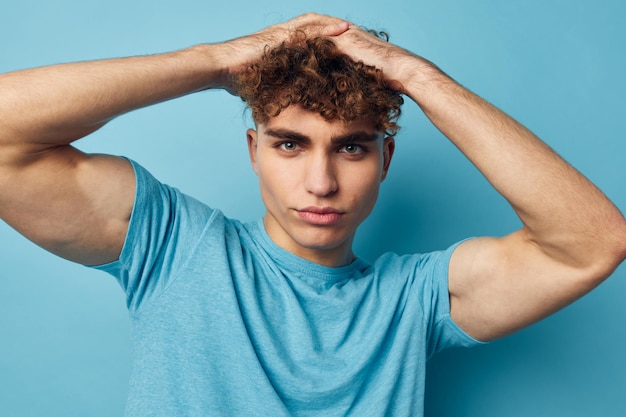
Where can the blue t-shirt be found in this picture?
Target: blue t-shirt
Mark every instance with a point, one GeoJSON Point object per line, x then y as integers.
{"type": "Point", "coordinates": [226, 323]}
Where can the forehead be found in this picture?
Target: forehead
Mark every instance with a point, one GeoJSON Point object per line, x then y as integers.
{"type": "Point", "coordinates": [312, 124]}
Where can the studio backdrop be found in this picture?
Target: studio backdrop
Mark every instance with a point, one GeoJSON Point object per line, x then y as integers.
{"type": "Point", "coordinates": [556, 66]}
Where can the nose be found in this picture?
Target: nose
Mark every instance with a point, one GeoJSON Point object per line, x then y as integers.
{"type": "Point", "coordinates": [321, 179]}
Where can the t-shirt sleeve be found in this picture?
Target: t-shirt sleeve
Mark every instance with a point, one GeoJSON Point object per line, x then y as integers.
{"type": "Point", "coordinates": [164, 228]}
{"type": "Point", "coordinates": [443, 332]}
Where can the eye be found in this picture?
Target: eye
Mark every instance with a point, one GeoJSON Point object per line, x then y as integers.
{"type": "Point", "coordinates": [288, 146]}
{"type": "Point", "coordinates": [352, 148]}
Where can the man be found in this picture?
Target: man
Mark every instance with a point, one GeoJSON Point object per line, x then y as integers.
{"type": "Point", "coordinates": [280, 317]}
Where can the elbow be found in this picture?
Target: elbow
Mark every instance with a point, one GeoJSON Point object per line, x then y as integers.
{"type": "Point", "coordinates": [614, 249]}
{"type": "Point", "coordinates": [619, 238]}
{"type": "Point", "coordinates": [599, 254]}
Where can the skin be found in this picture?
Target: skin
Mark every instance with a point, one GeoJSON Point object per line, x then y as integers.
{"type": "Point", "coordinates": [572, 237]}
{"type": "Point", "coordinates": [78, 206]}
{"type": "Point", "coordinates": [319, 180]}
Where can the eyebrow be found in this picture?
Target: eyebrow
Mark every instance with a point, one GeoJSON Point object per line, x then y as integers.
{"type": "Point", "coordinates": [359, 136]}
{"type": "Point", "coordinates": [288, 134]}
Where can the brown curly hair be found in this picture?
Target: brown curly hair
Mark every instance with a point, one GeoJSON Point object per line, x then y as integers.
{"type": "Point", "coordinates": [314, 74]}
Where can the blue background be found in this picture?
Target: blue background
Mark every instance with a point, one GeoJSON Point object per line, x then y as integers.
{"type": "Point", "coordinates": [557, 66]}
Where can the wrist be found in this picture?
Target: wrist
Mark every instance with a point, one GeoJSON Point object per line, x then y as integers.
{"type": "Point", "coordinates": [207, 63]}
{"type": "Point", "coordinates": [421, 78]}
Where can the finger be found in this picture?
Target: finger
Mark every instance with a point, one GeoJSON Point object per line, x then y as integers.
{"type": "Point", "coordinates": [335, 29]}
{"type": "Point", "coordinates": [314, 24]}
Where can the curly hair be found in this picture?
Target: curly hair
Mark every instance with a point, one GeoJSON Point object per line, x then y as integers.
{"type": "Point", "coordinates": [314, 74]}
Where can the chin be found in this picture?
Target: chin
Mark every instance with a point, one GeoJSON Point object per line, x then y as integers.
{"type": "Point", "coordinates": [321, 240]}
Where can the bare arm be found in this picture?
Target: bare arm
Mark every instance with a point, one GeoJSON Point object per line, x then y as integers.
{"type": "Point", "coordinates": [76, 205]}
{"type": "Point", "coordinates": [573, 237]}
{"type": "Point", "coordinates": [73, 204]}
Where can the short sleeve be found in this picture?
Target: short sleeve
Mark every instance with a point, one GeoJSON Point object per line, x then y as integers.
{"type": "Point", "coordinates": [443, 332]}
{"type": "Point", "coordinates": [164, 228]}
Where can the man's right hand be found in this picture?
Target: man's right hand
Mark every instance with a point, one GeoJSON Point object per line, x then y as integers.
{"type": "Point", "coordinates": [236, 54]}
{"type": "Point", "coordinates": [76, 205]}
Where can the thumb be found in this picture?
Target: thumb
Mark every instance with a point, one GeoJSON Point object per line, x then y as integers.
{"type": "Point", "coordinates": [335, 29]}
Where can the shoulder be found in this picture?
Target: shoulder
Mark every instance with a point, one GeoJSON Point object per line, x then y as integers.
{"type": "Point", "coordinates": [417, 265]}
{"type": "Point", "coordinates": [164, 200]}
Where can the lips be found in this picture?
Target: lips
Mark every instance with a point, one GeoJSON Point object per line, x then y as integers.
{"type": "Point", "coordinates": [320, 216]}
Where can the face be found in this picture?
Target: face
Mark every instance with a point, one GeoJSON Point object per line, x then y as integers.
{"type": "Point", "coordinates": [319, 180]}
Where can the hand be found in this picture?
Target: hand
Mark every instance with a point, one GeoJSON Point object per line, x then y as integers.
{"type": "Point", "coordinates": [400, 67]}
{"type": "Point", "coordinates": [239, 52]}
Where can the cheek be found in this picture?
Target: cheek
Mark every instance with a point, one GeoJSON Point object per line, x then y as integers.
{"type": "Point", "coordinates": [364, 175]}
{"type": "Point", "coordinates": [275, 177]}
{"type": "Point", "coordinates": [363, 184]}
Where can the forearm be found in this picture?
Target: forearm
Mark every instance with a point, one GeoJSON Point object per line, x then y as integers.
{"type": "Point", "coordinates": [562, 212]}
{"type": "Point", "coordinates": [55, 105]}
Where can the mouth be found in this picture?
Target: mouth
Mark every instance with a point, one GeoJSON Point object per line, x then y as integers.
{"type": "Point", "coordinates": [320, 216]}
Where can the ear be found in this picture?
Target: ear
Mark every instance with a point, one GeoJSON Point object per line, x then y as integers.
{"type": "Point", "coordinates": [389, 145]}
{"type": "Point", "coordinates": [251, 135]}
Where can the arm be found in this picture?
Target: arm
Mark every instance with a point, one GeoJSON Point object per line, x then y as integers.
{"type": "Point", "coordinates": [72, 204]}
{"type": "Point", "coordinates": [76, 205]}
{"type": "Point", "coordinates": [572, 238]}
